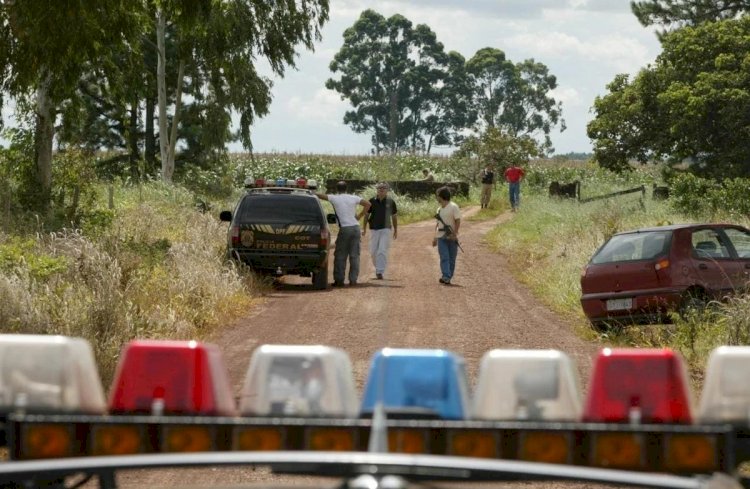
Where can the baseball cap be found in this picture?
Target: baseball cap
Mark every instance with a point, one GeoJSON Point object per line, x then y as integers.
{"type": "Point", "coordinates": [382, 185]}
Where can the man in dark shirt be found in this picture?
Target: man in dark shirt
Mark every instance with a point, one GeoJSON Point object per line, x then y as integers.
{"type": "Point", "coordinates": [488, 182]}
{"type": "Point", "coordinates": [381, 218]}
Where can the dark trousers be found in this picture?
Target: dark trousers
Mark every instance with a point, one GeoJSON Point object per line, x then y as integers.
{"type": "Point", "coordinates": [347, 246]}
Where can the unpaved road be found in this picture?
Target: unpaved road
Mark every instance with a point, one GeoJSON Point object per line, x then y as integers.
{"type": "Point", "coordinates": [485, 308]}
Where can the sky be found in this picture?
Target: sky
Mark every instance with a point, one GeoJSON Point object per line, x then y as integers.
{"type": "Point", "coordinates": [584, 43]}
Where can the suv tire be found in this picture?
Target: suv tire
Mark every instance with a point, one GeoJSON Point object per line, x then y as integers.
{"type": "Point", "coordinates": [320, 279]}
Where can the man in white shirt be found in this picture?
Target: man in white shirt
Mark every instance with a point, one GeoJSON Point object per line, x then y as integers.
{"type": "Point", "coordinates": [349, 237]}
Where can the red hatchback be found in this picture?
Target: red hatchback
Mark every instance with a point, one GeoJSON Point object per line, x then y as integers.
{"type": "Point", "coordinates": [638, 276]}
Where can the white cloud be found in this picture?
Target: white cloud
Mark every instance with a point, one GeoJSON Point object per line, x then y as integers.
{"type": "Point", "coordinates": [323, 107]}
{"type": "Point", "coordinates": [570, 97]}
{"type": "Point", "coordinates": [615, 50]}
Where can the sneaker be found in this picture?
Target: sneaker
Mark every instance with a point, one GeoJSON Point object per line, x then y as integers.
{"type": "Point", "coordinates": [338, 284]}
{"type": "Point", "coordinates": [379, 276]}
{"type": "Point", "coordinates": [444, 281]}
{"type": "Point", "coordinates": [353, 283]}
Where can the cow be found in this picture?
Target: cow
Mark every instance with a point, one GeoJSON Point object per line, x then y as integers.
{"type": "Point", "coordinates": [660, 193]}
{"type": "Point", "coordinates": [568, 190]}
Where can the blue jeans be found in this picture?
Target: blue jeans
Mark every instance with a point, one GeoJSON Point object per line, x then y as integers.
{"type": "Point", "coordinates": [514, 190]}
{"type": "Point", "coordinates": [448, 250]}
{"type": "Point", "coordinates": [347, 247]}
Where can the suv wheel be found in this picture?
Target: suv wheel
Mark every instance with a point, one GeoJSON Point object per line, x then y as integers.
{"type": "Point", "coordinates": [320, 279]}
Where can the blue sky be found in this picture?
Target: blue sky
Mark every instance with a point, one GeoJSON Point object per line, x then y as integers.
{"type": "Point", "coordinates": [585, 43]}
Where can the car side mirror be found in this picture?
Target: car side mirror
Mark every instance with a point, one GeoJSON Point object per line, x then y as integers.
{"type": "Point", "coordinates": [225, 216]}
{"type": "Point", "coordinates": [331, 218]}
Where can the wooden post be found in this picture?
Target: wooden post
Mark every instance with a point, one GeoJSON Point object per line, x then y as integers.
{"type": "Point", "coordinates": [111, 196]}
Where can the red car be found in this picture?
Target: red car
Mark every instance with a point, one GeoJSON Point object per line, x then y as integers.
{"type": "Point", "coordinates": [638, 276]}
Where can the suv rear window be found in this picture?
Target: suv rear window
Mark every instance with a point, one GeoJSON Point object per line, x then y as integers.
{"type": "Point", "coordinates": [633, 246]}
{"type": "Point", "coordinates": [283, 208]}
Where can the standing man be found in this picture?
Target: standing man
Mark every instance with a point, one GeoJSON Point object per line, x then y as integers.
{"type": "Point", "coordinates": [381, 218]}
{"type": "Point", "coordinates": [488, 181]}
{"type": "Point", "coordinates": [446, 234]}
{"type": "Point", "coordinates": [513, 175]}
{"type": "Point", "coordinates": [348, 239]}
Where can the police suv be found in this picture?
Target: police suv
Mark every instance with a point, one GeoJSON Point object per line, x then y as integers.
{"type": "Point", "coordinates": [279, 228]}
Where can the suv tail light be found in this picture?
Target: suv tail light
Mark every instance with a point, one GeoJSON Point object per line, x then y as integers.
{"type": "Point", "coordinates": [324, 237]}
{"type": "Point", "coordinates": [234, 235]}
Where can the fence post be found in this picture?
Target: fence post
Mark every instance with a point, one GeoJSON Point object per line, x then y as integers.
{"type": "Point", "coordinates": [111, 196]}
{"type": "Point", "coordinates": [6, 206]}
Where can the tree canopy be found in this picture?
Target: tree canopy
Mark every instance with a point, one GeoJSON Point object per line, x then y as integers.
{"type": "Point", "coordinates": [678, 13]}
{"type": "Point", "coordinates": [692, 105]}
{"type": "Point", "coordinates": [408, 93]}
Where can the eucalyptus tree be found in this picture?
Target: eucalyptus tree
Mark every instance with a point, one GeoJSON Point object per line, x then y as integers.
{"type": "Point", "coordinates": [514, 97]}
{"type": "Point", "coordinates": [391, 73]}
{"type": "Point", "coordinates": [679, 13]}
{"type": "Point", "coordinates": [44, 49]}
{"type": "Point", "coordinates": [217, 44]}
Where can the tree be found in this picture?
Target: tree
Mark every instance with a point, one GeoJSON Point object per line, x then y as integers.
{"type": "Point", "coordinates": [514, 97]}
{"type": "Point", "coordinates": [692, 105]}
{"type": "Point", "coordinates": [44, 50]}
{"type": "Point", "coordinates": [679, 13]}
{"type": "Point", "coordinates": [391, 72]}
{"type": "Point", "coordinates": [495, 147]}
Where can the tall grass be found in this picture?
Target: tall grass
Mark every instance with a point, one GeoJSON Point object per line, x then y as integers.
{"type": "Point", "coordinates": [551, 241]}
{"type": "Point", "coordinates": [156, 270]}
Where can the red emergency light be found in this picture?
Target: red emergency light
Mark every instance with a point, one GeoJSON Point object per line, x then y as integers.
{"type": "Point", "coordinates": [171, 377]}
{"type": "Point", "coordinates": [638, 385]}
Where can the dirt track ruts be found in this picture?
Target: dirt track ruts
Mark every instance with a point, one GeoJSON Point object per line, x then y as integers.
{"type": "Point", "coordinates": [485, 308]}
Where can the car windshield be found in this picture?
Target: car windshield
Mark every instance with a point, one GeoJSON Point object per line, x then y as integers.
{"type": "Point", "coordinates": [643, 245]}
{"type": "Point", "coordinates": [279, 209]}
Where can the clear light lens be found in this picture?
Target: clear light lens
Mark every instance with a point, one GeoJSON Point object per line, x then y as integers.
{"type": "Point", "coordinates": [527, 385]}
{"type": "Point", "coordinates": [289, 380]}
{"type": "Point", "coordinates": [49, 373]}
{"type": "Point", "coordinates": [726, 392]}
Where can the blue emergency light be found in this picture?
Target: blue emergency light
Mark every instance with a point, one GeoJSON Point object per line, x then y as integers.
{"type": "Point", "coordinates": [431, 382]}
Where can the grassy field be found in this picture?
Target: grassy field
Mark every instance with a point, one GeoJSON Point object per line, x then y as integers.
{"type": "Point", "coordinates": [152, 265]}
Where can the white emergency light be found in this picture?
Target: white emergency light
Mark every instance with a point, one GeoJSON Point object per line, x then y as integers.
{"type": "Point", "coordinates": [527, 385]}
{"type": "Point", "coordinates": [726, 391]}
{"type": "Point", "coordinates": [43, 373]}
{"type": "Point", "coordinates": [289, 380]}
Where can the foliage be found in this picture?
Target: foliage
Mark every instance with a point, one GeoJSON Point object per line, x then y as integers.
{"type": "Point", "coordinates": [699, 197]}
{"type": "Point", "coordinates": [692, 105]}
{"type": "Point", "coordinates": [495, 147]}
{"type": "Point", "coordinates": [17, 253]}
{"type": "Point", "coordinates": [686, 12]}
{"type": "Point", "coordinates": [392, 73]}
{"type": "Point", "coordinates": [514, 97]}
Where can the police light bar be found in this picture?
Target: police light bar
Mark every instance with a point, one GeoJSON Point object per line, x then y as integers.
{"type": "Point", "coordinates": [639, 385]}
{"type": "Point", "coordinates": [300, 182]}
{"type": "Point", "coordinates": [40, 373]}
{"type": "Point", "coordinates": [418, 382]}
{"type": "Point", "coordinates": [527, 385]}
{"type": "Point", "coordinates": [289, 380]}
{"type": "Point", "coordinates": [726, 392]}
{"type": "Point", "coordinates": [171, 377]}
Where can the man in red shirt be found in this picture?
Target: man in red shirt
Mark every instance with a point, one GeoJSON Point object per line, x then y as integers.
{"type": "Point", "coordinates": [513, 175]}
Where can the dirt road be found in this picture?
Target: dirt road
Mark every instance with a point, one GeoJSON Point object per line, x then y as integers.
{"type": "Point", "coordinates": [485, 308]}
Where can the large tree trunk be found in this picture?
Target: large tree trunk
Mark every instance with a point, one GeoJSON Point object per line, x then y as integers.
{"type": "Point", "coordinates": [149, 145]}
{"type": "Point", "coordinates": [176, 118]}
{"type": "Point", "coordinates": [134, 156]}
{"type": "Point", "coordinates": [44, 133]}
{"type": "Point", "coordinates": [393, 129]}
{"type": "Point", "coordinates": [161, 81]}
{"type": "Point", "coordinates": [167, 141]}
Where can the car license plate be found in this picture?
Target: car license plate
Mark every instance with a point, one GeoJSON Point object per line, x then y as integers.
{"type": "Point", "coordinates": [619, 304]}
